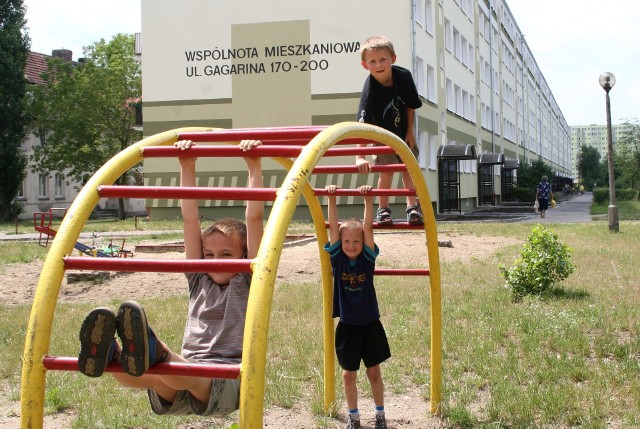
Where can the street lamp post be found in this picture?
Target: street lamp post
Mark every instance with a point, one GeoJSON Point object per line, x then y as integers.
{"type": "Point", "coordinates": [607, 80]}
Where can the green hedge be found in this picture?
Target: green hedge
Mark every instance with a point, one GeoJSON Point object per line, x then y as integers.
{"type": "Point", "coordinates": [601, 195]}
{"type": "Point", "coordinates": [524, 195]}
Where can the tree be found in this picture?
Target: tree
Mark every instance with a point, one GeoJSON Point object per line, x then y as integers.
{"type": "Point", "coordinates": [84, 113]}
{"type": "Point", "coordinates": [14, 46]}
{"type": "Point", "coordinates": [627, 156]}
{"type": "Point", "coordinates": [590, 168]}
{"type": "Point", "coordinates": [529, 175]}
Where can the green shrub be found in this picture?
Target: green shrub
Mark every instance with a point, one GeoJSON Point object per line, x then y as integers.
{"type": "Point", "coordinates": [601, 195]}
{"type": "Point", "coordinates": [524, 195]}
{"type": "Point", "coordinates": [543, 262]}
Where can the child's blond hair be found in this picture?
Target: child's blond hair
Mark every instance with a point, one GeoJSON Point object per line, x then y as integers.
{"type": "Point", "coordinates": [229, 227]}
{"type": "Point", "coordinates": [352, 223]}
{"type": "Point", "coordinates": [376, 42]}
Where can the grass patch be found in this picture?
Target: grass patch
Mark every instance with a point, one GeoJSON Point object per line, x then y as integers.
{"type": "Point", "coordinates": [627, 210]}
{"type": "Point", "coordinates": [568, 359]}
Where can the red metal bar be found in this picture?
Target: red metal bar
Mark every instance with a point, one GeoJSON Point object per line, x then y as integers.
{"type": "Point", "coordinates": [260, 151]}
{"type": "Point", "coordinates": [401, 272]}
{"type": "Point", "coordinates": [269, 136]}
{"type": "Point", "coordinates": [192, 369]}
{"type": "Point", "coordinates": [394, 225]}
{"type": "Point", "coordinates": [285, 133]}
{"type": "Point", "coordinates": [188, 193]}
{"type": "Point", "coordinates": [373, 192]}
{"type": "Point", "coordinates": [326, 169]}
{"type": "Point", "coordinates": [240, 194]}
{"type": "Point", "coordinates": [158, 265]}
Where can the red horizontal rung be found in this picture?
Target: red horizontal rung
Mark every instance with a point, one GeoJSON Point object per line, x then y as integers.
{"type": "Point", "coordinates": [188, 193]}
{"type": "Point", "coordinates": [158, 265]}
{"type": "Point", "coordinates": [192, 369]}
{"type": "Point", "coordinates": [260, 151]}
{"type": "Point", "coordinates": [241, 194]}
{"type": "Point", "coordinates": [373, 192]}
{"type": "Point", "coordinates": [401, 272]}
{"type": "Point", "coordinates": [326, 169]}
{"type": "Point", "coordinates": [265, 134]}
{"type": "Point", "coordinates": [394, 225]}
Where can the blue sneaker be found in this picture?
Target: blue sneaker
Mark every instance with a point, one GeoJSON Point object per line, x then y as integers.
{"type": "Point", "coordinates": [98, 345]}
{"type": "Point", "coordinates": [140, 346]}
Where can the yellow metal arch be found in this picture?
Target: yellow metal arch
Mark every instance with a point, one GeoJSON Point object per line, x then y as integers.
{"type": "Point", "coordinates": [264, 274]}
{"type": "Point", "coordinates": [264, 268]}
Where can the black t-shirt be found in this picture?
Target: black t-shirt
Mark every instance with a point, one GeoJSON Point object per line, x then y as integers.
{"type": "Point", "coordinates": [386, 107]}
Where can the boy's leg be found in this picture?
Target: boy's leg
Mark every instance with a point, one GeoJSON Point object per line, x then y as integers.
{"type": "Point", "coordinates": [384, 182]}
{"type": "Point", "coordinates": [377, 386]}
{"type": "Point", "coordinates": [140, 346]}
{"type": "Point", "coordinates": [98, 345]}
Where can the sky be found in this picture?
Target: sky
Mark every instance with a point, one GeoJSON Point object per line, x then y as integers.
{"type": "Point", "coordinates": [572, 41]}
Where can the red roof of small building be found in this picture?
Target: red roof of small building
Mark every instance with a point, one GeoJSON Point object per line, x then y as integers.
{"type": "Point", "coordinates": [35, 66]}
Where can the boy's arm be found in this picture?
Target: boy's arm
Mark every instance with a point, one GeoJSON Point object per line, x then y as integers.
{"type": "Point", "coordinates": [368, 216]}
{"type": "Point", "coordinates": [332, 214]}
{"type": "Point", "coordinates": [361, 161]}
{"type": "Point", "coordinates": [410, 138]}
{"type": "Point", "coordinates": [189, 207]}
{"type": "Point", "coordinates": [254, 213]}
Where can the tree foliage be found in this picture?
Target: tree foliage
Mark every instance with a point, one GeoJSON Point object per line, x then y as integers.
{"type": "Point", "coordinates": [591, 170]}
{"type": "Point", "coordinates": [627, 156]}
{"type": "Point", "coordinates": [14, 46]}
{"type": "Point", "coordinates": [529, 175]}
{"type": "Point", "coordinates": [83, 114]}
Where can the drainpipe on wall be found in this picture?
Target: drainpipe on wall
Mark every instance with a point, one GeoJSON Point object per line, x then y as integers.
{"type": "Point", "coordinates": [493, 113]}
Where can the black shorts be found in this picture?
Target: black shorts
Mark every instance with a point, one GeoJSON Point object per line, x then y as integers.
{"type": "Point", "coordinates": [361, 342]}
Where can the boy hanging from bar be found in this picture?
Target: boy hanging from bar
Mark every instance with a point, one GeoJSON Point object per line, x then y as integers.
{"type": "Point", "coordinates": [216, 315]}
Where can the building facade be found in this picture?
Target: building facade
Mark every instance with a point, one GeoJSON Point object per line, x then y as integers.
{"type": "Point", "coordinates": [285, 63]}
{"type": "Point", "coordinates": [593, 136]}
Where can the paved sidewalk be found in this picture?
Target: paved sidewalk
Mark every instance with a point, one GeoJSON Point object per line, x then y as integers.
{"type": "Point", "coordinates": [575, 210]}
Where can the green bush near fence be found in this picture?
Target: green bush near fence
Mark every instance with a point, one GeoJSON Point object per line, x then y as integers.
{"type": "Point", "coordinates": [601, 195]}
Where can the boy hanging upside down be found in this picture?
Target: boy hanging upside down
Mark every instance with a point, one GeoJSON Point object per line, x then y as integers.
{"type": "Point", "coordinates": [215, 324]}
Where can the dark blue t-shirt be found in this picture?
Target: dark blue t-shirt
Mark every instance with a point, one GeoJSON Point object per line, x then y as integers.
{"type": "Point", "coordinates": [354, 296]}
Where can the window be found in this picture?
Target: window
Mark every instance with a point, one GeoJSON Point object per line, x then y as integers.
{"type": "Point", "coordinates": [21, 195]}
{"type": "Point", "coordinates": [431, 85]}
{"type": "Point", "coordinates": [59, 186]}
{"type": "Point", "coordinates": [422, 148]}
{"type": "Point", "coordinates": [42, 186]}
{"type": "Point", "coordinates": [419, 77]}
{"type": "Point", "coordinates": [419, 12]}
{"type": "Point", "coordinates": [428, 16]}
{"type": "Point", "coordinates": [433, 160]}
{"type": "Point", "coordinates": [451, 101]}
{"type": "Point", "coordinates": [448, 35]}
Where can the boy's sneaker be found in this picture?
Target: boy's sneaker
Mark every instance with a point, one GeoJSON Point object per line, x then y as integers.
{"type": "Point", "coordinates": [140, 346]}
{"type": "Point", "coordinates": [381, 423]}
{"type": "Point", "coordinates": [352, 424]}
{"type": "Point", "coordinates": [98, 345]}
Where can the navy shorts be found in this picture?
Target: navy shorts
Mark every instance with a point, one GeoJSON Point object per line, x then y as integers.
{"type": "Point", "coordinates": [366, 343]}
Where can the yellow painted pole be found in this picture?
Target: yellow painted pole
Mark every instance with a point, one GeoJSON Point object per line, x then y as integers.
{"type": "Point", "coordinates": [38, 335]}
{"type": "Point", "coordinates": [315, 208]}
{"type": "Point", "coordinates": [267, 261]}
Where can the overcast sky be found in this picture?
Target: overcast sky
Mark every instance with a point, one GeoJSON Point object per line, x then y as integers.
{"type": "Point", "coordinates": [573, 42]}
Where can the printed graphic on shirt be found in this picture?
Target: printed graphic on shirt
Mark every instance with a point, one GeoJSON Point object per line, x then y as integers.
{"type": "Point", "coordinates": [353, 282]}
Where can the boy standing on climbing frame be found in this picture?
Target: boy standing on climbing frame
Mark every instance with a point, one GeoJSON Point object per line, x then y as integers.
{"type": "Point", "coordinates": [216, 317]}
{"type": "Point", "coordinates": [389, 99]}
{"type": "Point", "coordinates": [360, 335]}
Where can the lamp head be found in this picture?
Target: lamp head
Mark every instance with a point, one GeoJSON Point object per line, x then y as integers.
{"type": "Point", "coordinates": [607, 80]}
